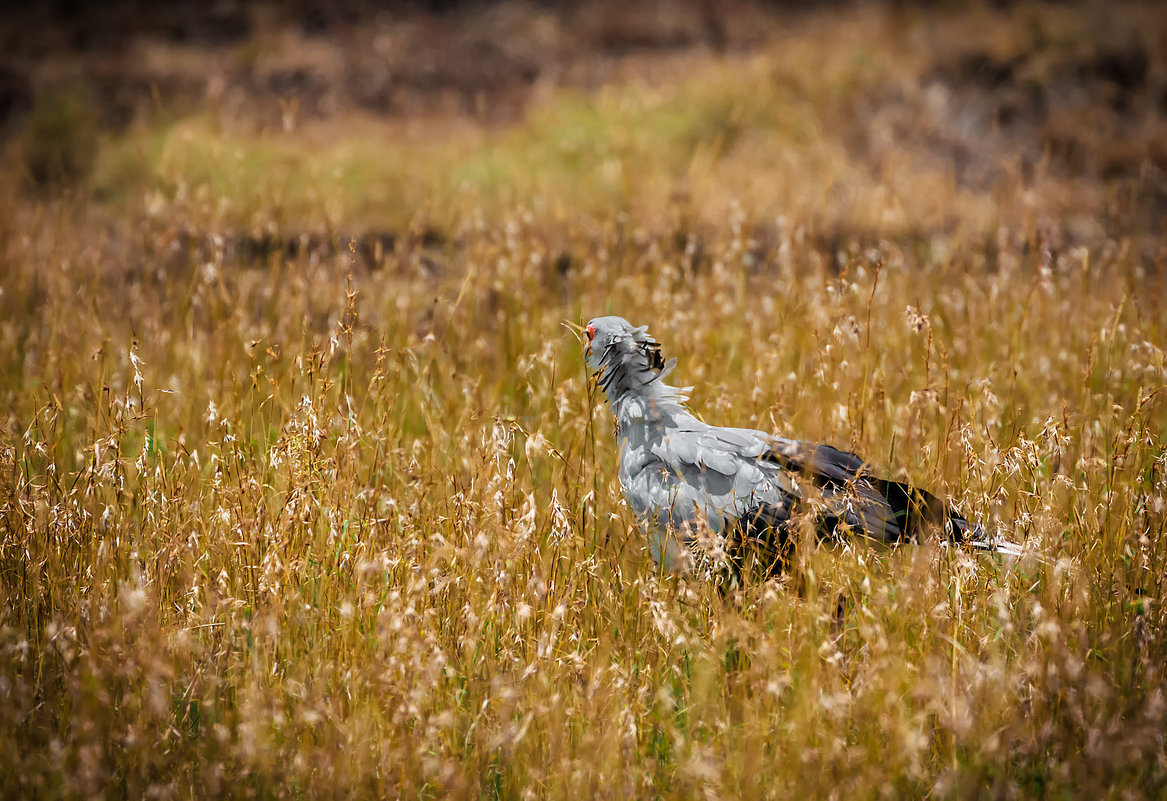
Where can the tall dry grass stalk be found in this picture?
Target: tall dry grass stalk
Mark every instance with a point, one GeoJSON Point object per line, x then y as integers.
{"type": "Point", "coordinates": [305, 528]}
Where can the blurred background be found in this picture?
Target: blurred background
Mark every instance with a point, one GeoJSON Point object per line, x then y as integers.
{"type": "Point", "coordinates": [858, 120]}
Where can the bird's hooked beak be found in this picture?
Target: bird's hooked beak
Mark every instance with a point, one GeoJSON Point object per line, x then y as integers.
{"type": "Point", "coordinates": [591, 332]}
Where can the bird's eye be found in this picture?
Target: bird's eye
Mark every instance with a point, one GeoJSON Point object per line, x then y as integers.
{"type": "Point", "coordinates": [591, 329]}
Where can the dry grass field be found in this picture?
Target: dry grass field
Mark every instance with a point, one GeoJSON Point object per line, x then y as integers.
{"type": "Point", "coordinates": [304, 491]}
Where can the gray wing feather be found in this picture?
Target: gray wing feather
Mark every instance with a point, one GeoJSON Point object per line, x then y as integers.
{"type": "Point", "coordinates": [718, 472]}
{"type": "Point", "coordinates": [743, 441]}
{"type": "Point", "coordinates": [685, 449]}
{"type": "Point", "coordinates": [723, 462]}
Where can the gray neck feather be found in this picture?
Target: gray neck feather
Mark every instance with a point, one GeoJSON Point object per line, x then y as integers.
{"type": "Point", "coordinates": [632, 377]}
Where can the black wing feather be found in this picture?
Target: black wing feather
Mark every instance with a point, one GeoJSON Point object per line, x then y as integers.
{"type": "Point", "coordinates": [762, 540]}
{"type": "Point", "coordinates": [888, 510]}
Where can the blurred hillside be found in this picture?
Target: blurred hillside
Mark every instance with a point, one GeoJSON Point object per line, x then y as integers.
{"type": "Point", "coordinates": [850, 117]}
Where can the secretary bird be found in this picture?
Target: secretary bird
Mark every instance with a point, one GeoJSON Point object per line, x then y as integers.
{"type": "Point", "coordinates": [731, 498]}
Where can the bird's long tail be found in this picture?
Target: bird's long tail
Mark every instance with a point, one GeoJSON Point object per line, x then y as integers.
{"type": "Point", "coordinates": [975, 536]}
{"type": "Point", "coordinates": [916, 510]}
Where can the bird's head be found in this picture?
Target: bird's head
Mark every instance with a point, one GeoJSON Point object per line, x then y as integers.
{"type": "Point", "coordinates": [623, 357]}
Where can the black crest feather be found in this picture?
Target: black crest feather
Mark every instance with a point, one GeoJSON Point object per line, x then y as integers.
{"type": "Point", "coordinates": [651, 350]}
